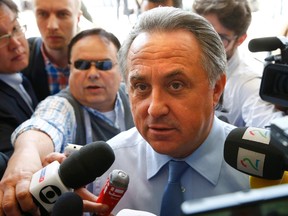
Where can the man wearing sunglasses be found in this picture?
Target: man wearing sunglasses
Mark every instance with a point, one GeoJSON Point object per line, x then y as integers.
{"type": "Point", "coordinates": [94, 107]}
{"type": "Point", "coordinates": [17, 97]}
{"type": "Point", "coordinates": [241, 104]}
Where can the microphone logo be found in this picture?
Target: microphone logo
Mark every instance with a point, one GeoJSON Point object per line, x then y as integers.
{"type": "Point", "coordinates": [257, 134]}
{"type": "Point", "coordinates": [49, 194]}
{"type": "Point", "coordinates": [250, 162]}
{"type": "Point", "coordinates": [247, 160]}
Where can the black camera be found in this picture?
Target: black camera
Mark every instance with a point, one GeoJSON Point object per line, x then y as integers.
{"type": "Point", "coordinates": [274, 84]}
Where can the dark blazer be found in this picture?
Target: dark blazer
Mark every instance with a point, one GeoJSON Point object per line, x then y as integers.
{"type": "Point", "coordinates": [36, 71]}
{"type": "Point", "coordinates": [13, 111]}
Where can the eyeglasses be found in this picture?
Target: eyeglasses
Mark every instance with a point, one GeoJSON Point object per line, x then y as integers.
{"type": "Point", "coordinates": [100, 65]}
{"type": "Point", "coordinates": [225, 40]}
{"type": "Point", "coordinates": [18, 31]}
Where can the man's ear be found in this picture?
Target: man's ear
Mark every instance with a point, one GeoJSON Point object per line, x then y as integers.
{"type": "Point", "coordinates": [241, 39]}
{"type": "Point", "coordinates": [218, 89]}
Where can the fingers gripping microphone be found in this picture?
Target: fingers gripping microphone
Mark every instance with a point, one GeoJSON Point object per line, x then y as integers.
{"type": "Point", "coordinates": [79, 169]}
{"type": "Point", "coordinates": [250, 150]}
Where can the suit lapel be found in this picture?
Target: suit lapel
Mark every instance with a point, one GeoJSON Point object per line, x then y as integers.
{"type": "Point", "coordinates": [8, 90]}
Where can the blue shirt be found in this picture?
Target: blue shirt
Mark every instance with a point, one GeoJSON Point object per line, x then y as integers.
{"type": "Point", "coordinates": [208, 174]}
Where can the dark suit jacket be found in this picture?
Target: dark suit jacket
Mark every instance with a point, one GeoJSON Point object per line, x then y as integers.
{"type": "Point", "coordinates": [13, 111]}
{"type": "Point", "coordinates": [36, 71]}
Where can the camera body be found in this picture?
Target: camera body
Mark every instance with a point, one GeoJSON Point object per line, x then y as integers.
{"type": "Point", "coordinates": [274, 84]}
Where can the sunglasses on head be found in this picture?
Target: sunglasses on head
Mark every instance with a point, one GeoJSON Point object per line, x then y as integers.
{"type": "Point", "coordinates": [100, 65]}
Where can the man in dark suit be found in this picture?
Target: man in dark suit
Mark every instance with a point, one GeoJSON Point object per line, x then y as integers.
{"type": "Point", "coordinates": [16, 94]}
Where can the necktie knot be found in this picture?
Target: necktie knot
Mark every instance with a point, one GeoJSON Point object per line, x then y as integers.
{"type": "Point", "coordinates": [176, 169]}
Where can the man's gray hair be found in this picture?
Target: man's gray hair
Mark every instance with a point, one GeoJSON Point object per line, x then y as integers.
{"type": "Point", "coordinates": [168, 19]}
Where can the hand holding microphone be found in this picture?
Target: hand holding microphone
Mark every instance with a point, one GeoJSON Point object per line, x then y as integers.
{"type": "Point", "coordinates": [79, 169]}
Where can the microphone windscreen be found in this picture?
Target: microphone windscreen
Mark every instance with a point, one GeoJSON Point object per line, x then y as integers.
{"type": "Point", "coordinates": [264, 44]}
{"type": "Point", "coordinates": [246, 150]}
{"type": "Point", "coordinates": [68, 203]}
{"type": "Point", "coordinates": [83, 166]}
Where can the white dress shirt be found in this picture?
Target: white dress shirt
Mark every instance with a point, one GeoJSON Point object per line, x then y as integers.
{"type": "Point", "coordinates": [242, 104]}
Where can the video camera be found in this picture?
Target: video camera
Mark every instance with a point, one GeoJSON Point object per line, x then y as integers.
{"type": "Point", "coordinates": [274, 84]}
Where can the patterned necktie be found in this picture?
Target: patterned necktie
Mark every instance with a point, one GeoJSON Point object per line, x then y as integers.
{"type": "Point", "coordinates": [173, 197]}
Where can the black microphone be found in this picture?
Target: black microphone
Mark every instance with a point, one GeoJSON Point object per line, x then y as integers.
{"type": "Point", "coordinates": [69, 203]}
{"type": "Point", "coordinates": [79, 169]}
{"type": "Point", "coordinates": [251, 151]}
{"type": "Point", "coordinates": [267, 43]}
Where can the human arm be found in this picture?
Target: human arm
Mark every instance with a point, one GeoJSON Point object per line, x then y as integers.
{"type": "Point", "coordinates": [30, 149]}
{"type": "Point", "coordinates": [51, 126]}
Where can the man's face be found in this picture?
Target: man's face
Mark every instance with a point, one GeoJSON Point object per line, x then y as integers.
{"type": "Point", "coordinates": [14, 51]}
{"type": "Point", "coordinates": [148, 5]}
{"type": "Point", "coordinates": [94, 87]}
{"type": "Point", "coordinates": [171, 99]}
{"type": "Point", "coordinates": [229, 39]}
{"type": "Point", "coordinates": [57, 21]}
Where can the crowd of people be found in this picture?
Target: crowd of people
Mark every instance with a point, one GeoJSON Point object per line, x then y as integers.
{"type": "Point", "coordinates": [169, 94]}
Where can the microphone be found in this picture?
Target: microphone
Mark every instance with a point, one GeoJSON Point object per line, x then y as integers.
{"type": "Point", "coordinates": [79, 169]}
{"type": "Point", "coordinates": [69, 203]}
{"type": "Point", "coordinates": [113, 190]}
{"type": "Point", "coordinates": [251, 151]}
{"type": "Point", "coordinates": [267, 43]}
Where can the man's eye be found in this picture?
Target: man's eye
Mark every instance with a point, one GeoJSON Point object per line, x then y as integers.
{"type": "Point", "coordinates": [176, 85]}
{"type": "Point", "coordinates": [42, 14]}
{"type": "Point", "coordinates": [63, 14]}
{"type": "Point", "coordinates": [140, 87]}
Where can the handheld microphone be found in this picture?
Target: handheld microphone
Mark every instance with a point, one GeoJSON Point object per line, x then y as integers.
{"type": "Point", "coordinates": [79, 169]}
{"type": "Point", "coordinates": [250, 151]}
{"type": "Point", "coordinates": [114, 189]}
{"type": "Point", "coordinates": [69, 203]}
{"type": "Point", "coordinates": [267, 43]}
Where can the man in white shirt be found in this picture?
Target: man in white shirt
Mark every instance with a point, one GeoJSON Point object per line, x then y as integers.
{"type": "Point", "coordinates": [241, 104]}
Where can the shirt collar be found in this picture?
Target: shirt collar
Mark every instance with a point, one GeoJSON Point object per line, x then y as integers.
{"type": "Point", "coordinates": [206, 160]}
{"type": "Point", "coordinates": [13, 80]}
{"type": "Point", "coordinates": [48, 62]}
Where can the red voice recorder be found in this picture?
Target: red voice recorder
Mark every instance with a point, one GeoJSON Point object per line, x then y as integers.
{"type": "Point", "coordinates": [114, 189]}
